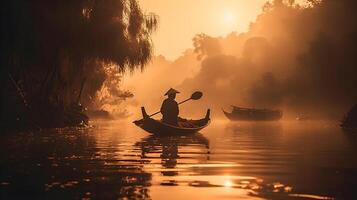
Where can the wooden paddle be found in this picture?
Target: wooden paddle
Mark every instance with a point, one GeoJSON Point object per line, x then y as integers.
{"type": "Point", "coordinates": [195, 96]}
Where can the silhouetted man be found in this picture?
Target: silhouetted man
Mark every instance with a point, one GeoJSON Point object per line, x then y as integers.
{"type": "Point", "coordinates": [169, 108]}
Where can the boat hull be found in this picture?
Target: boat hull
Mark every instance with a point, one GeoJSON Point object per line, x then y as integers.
{"type": "Point", "coordinates": [185, 126]}
{"type": "Point", "coordinates": [246, 114]}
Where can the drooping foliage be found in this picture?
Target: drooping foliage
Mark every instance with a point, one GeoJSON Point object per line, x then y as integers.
{"type": "Point", "coordinates": [54, 52]}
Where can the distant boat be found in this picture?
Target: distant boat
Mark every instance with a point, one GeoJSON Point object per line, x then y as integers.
{"type": "Point", "coordinates": [253, 114]}
{"type": "Point", "coordinates": [303, 117]}
{"type": "Point", "coordinates": [184, 126]}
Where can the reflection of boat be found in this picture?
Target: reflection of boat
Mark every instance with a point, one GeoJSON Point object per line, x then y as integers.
{"type": "Point", "coordinates": [239, 113]}
{"type": "Point", "coordinates": [168, 146]}
{"type": "Point", "coordinates": [185, 126]}
{"type": "Point", "coordinates": [187, 140]}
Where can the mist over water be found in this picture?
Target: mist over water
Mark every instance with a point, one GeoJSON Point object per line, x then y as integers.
{"type": "Point", "coordinates": [298, 59]}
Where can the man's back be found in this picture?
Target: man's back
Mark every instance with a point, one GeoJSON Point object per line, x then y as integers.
{"type": "Point", "coordinates": [170, 111]}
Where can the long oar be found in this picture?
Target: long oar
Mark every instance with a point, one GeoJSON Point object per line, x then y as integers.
{"type": "Point", "coordinates": [195, 96]}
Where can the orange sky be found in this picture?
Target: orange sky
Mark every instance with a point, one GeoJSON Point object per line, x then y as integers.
{"type": "Point", "coordinates": [180, 20]}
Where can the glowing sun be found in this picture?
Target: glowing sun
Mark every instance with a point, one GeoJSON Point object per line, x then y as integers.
{"type": "Point", "coordinates": [228, 17]}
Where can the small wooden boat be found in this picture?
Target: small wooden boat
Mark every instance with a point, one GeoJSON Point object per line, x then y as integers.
{"type": "Point", "coordinates": [185, 126]}
{"type": "Point", "coordinates": [252, 114]}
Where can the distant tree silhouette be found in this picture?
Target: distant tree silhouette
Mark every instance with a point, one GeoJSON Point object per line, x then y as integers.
{"type": "Point", "coordinates": [205, 45]}
{"type": "Point", "coordinates": [308, 48]}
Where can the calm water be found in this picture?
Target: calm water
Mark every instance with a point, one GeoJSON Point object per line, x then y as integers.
{"type": "Point", "coordinates": [115, 160]}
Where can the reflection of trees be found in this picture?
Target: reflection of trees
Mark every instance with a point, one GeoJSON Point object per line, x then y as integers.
{"type": "Point", "coordinates": [351, 137]}
{"type": "Point", "coordinates": [69, 164]}
{"type": "Point", "coordinates": [168, 146]}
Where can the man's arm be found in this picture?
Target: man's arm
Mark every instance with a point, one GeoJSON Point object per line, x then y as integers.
{"type": "Point", "coordinates": [163, 107]}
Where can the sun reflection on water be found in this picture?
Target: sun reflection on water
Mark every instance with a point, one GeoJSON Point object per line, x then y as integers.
{"type": "Point", "coordinates": [228, 183]}
{"type": "Point", "coordinates": [245, 162]}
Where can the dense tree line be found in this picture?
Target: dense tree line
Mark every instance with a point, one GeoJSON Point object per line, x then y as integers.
{"type": "Point", "coordinates": [298, 57]}
{"type": "Point", "coordinates": [54, 55]}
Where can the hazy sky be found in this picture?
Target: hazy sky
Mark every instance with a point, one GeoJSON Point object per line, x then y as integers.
{"type": "Point", "coordinates": [181, 20]}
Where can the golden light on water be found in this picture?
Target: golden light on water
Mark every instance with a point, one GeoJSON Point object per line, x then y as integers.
{"type": "Point", "coordinates": [228, 183]}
